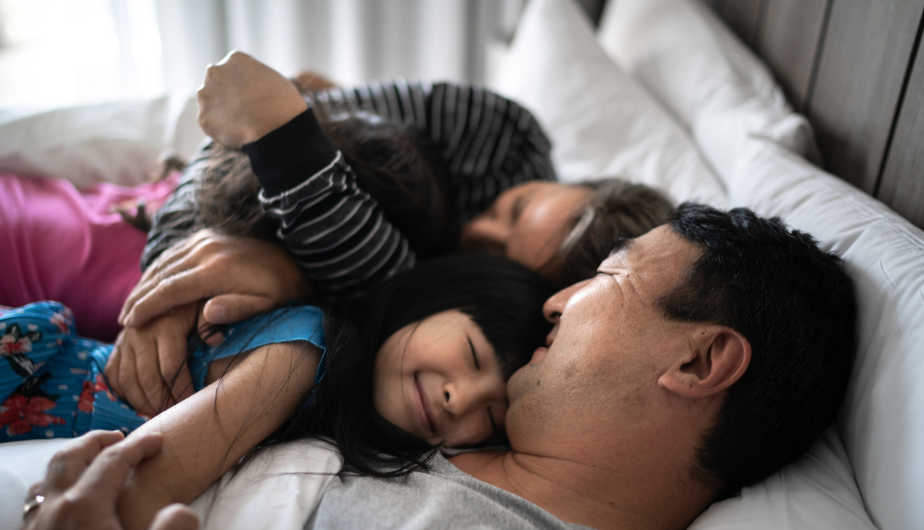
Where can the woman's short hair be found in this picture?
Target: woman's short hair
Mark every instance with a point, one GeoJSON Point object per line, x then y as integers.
{"type": "Point", "coordinates": [615, 210]}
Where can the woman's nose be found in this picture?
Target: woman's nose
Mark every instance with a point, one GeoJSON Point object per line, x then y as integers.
{"type": "Point", "coordinates": [485, 234]}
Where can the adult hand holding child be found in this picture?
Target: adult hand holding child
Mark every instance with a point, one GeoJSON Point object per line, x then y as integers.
{"type": "Point", "coordinates": [84, 480]}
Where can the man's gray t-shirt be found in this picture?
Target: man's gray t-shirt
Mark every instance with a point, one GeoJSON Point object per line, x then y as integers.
{"type": "Point", "coordinates": [444, 497]}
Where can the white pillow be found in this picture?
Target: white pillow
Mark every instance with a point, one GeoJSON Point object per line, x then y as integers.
{"type": "Point", "coordinates": [817, 491]}
{"type": "Point", "coordinates": [118, 142]}
{"type": "Point", "coordinates": [278, 489]}
{"type": "Point", "coordinates": [600, 120]}
{"type": "Point", "coordinates": [710, 80]}
{"type": "Point", "coordinates": [882, 422]}
{"type": "Point", "coordinates": [562, 77]}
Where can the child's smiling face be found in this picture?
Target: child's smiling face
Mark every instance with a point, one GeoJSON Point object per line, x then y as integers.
{"type": "Point", "coordinates": [440, 380]}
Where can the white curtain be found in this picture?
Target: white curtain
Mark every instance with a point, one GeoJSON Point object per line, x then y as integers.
{"type": "Point", "coordinates": [350, 41]}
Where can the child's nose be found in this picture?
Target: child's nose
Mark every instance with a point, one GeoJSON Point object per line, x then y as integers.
{"type": "Point", "coordinates": [460, 398]}
{"type": "Point", "coordinates": [456, 400]}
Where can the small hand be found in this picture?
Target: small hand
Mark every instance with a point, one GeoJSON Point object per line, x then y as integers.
{"type": "Point", "coordinates": [148, 367]}
{"type": "Point", "coordinates": [242, 99]}
{"type": "Point", "coordinates": [85, 478]}
{"type": "Point", "coordinates": [241, 276]}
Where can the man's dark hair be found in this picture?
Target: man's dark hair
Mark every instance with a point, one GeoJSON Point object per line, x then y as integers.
{"type": "Point", "coordinates": [796, 306]}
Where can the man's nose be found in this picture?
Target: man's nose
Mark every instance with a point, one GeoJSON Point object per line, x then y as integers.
{"type": "Point", "coordinates": [485, 234]}
{"type": "Point", "coordinates": [554, 306]}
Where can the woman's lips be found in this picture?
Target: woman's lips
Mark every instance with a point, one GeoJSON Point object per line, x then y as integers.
{"type": "Point", "coordinates": [421, 406]}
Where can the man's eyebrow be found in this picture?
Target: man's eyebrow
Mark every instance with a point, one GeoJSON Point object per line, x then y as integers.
{"type": "Point", "coordinates": [623, 243]}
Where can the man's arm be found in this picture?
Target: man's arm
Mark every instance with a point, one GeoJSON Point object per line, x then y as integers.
{"type": "Point", "coordinates": [84, 480]}
{"type": "Point", "coordinates": [241, 277]}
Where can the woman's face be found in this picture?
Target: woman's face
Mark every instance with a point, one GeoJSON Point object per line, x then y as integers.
{"type": "Point", "coordinates": [440, 380]}
{"type": "Point", "coordinates": [526, 223]}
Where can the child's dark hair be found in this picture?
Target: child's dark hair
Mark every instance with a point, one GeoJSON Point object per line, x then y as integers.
{"type": "Point", "coordinates": [503, 298]}
{"type": "Point", "coordinates": [392, 162]}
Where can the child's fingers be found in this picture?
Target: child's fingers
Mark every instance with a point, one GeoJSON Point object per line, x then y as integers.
{"type": "Point", "coordinates": [113, 363]}
{"type": "Point", "coordinates": [171, 351]}
{"type": "Point", "coordinates": [128, 379]}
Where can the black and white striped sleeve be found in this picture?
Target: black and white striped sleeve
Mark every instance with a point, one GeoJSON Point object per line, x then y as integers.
{"type": "Point", "coordinates": [336, 231]}
{"type": "Point", "coordinates": [489, 143]}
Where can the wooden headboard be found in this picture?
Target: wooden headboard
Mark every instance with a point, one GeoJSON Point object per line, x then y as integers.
{"type": "Point", "coordinates": [852, 67]}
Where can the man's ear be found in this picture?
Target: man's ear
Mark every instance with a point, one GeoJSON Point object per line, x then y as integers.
{"type": "Point", "coordinates": [718, 356]}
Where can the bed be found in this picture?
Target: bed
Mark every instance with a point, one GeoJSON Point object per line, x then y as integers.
{"type": "Point", "coordinates": [660, 92]}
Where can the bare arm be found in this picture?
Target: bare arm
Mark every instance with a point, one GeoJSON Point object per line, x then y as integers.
{"type": "Point", "coordinates": [207, 433]}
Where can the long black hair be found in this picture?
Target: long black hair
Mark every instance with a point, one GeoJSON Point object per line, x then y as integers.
{"type": "Point", "coordinates": [502, 297]}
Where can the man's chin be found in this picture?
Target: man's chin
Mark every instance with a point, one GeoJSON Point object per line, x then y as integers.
{"type": "Point", "coordinates": [522, 380]}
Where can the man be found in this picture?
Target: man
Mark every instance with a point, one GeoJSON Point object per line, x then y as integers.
{"type": "Point", "coordinates": [702, 357]}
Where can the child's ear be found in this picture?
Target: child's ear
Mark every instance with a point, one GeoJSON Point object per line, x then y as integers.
{"type": "Point", "coordinates": [717, 357]}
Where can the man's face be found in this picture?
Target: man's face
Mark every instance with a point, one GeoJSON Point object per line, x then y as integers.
{"type": "Point", "coordinates": [608, 347]}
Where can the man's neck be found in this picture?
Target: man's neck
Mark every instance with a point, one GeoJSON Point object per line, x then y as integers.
{"type": "Point", "coordinates": [585, 494]}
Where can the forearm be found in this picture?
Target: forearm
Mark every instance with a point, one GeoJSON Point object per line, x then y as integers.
{"type": "Point", "coordinates": [489, 143]}
{"type": "Point", "coordinates": [210, 431]}
{"type": "Point", "coordinates": [337, 232]}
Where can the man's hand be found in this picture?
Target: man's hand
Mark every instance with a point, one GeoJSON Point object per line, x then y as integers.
{"type": "Point", "coordinates": [242, 100]}
{"type": "Point", "coordinates": [84, 481]}
{"type": "Point", "coordinates": [241, 276]}
{"type": "Point", "coordinates": [147, 366]}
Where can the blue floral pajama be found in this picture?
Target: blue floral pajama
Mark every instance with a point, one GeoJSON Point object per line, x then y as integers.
{"type": "Point", "coordinates": [52, 382]}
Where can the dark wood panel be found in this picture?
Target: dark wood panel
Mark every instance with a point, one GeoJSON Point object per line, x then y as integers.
{"type": "Point", "coordinates": [861, 69]}
{"type": "Point", "coordinates": [902, 186]}
{"type": "Point", "coordinates": [789, 36]}
{"type": "Point", "coordinates": [742, 16]}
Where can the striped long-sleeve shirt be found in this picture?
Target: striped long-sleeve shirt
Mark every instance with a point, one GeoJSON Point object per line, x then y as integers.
{"type": "Point", "coordinates": [337, 232]}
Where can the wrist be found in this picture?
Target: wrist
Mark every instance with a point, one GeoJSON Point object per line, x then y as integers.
{"type": "Point", "coordinates": [283, 157]}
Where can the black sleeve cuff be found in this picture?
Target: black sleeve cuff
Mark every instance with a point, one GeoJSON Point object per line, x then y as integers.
{"type": "Point", "coordinates": [287, 156]}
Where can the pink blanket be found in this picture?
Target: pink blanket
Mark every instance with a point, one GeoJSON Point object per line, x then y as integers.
{"type": "Point", "coordinates": [58, 243]}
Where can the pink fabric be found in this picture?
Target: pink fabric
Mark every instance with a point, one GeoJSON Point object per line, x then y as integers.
{"type": "Point", "coordinates": [58, 243]}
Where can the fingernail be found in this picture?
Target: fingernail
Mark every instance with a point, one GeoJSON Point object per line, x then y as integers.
{"type": "Point", "coordinates": [218, 312]}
